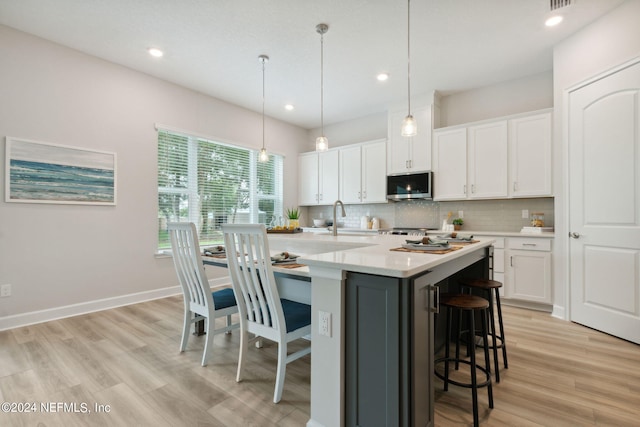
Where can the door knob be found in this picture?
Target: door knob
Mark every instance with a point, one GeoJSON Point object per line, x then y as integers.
{"type": "Point", "coordinates": [574, 235]}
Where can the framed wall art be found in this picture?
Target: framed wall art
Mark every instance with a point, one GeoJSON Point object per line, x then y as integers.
{"type": "Point", "coordinates": [38, 172]}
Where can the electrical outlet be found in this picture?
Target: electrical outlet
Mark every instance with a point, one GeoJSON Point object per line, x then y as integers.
{"type": "Point", "coordinates": [5, 290]}
{"type": "Point", "coordinates": [525, 213]}
{"type": "Point", "coordinates": [460, 214]}
{"type": "Point", "coordinates": [324, 323]}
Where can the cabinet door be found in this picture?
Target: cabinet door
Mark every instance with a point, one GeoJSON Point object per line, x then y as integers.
{"type": "Point", "coordinates": [530, 156]}
{"type": "Point", "coordinates": [397, 146]}
{"type": "Point", "coordinates": [374, 175]}
{"type": "Point", "coordinates": [350, 174]}
{"type": "Point", "coordinates": [308, 179]}
{"type": "Point", "coordinates": [529, 275]}
{"type": "Point", "coordinates": [487, 161]}
{"type": "Point", "coordinates": [420, 145]}
{"type": "Point", "coordinates": [329, 164]}
{"type": "Point", "coordinates": [450, 164]}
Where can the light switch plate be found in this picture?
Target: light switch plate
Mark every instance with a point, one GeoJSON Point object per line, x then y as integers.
{"type": "Point", "coordinates": [525, 213]}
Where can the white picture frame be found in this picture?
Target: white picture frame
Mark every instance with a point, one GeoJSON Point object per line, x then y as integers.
{"type": "Point", "coordinates": [39, 172]}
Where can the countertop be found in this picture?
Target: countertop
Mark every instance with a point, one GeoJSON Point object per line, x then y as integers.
{"type": "Point", "coordinates": [365, 231]}
{"type": "Point", "coordinates": [368, 253]}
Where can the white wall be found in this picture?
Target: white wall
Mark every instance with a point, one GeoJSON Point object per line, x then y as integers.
{"type": "Point", "coordinates": [59, 255]}
{"type": "Point", "coordinates": [362, 129]}
{"type": "Point", "coordinates": [516, 96]}
{"type": "Point", "coordinates": [609, 41]}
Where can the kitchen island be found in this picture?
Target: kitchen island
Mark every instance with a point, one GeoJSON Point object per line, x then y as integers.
{"type": "Point", "coordinates": [373, 362]}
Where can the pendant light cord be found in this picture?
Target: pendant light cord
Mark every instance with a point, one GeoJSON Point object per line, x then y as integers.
{"type": "Point", "coordinates": [409, 54]}
{"type": "Point", "coordinates": [322, 83]}
{"type": "Point", "coordinates": [263, 61]}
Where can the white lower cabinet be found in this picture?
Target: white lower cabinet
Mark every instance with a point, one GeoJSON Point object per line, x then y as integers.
{"type": "Point", "coordinates": [528, 269]}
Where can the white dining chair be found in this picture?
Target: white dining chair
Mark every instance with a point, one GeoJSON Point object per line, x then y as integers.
{"type": "Point", "coordinates": [262, 311]}
{"type": "Point", "coordinates": [200, 303]}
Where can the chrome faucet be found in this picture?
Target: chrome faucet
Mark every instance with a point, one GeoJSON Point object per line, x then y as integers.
{"type": "Point", "coordinates": [335, 221]}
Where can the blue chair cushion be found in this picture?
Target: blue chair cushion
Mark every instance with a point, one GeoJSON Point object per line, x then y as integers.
{"type": "Point", "coordinates": [224, 298]}
{"type": "Point", "coordinates": [296, 314]}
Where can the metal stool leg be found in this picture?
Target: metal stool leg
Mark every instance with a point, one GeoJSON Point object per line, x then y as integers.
{"type": "Point", "coordinates": [502, 340]}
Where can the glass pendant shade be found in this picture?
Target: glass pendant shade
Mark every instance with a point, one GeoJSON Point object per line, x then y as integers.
{"type": "Point", "coordinates": [322, 143]}
{"type": "Point", "coordinates": [409, 127]}
{"type": "Point", "coordinates": [263, 156]}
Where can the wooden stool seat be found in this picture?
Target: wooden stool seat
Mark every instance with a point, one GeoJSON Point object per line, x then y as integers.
{"type": "Point", "coordinates": [471, 305]}
{"type": "Point", "coordinates": [481, 283]}
{"type": "Point", "coordinates": [463, 301]}
{"type": "Point", "coordinates": [490, 289]}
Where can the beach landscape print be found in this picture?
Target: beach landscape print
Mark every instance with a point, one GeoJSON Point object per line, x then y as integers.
{"type": "Point", "coordinates": [38, 172]}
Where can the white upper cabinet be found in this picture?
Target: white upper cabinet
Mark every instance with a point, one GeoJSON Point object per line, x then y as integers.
{"type": "Point", "coordinates": [495, 159]}
{"type": "Point", "coordinates": [363, 177]}
{"type": "Point", "coordinates": [409, 154]}
{"type": "Point", "coordinates": [319, 177]}
{"type": "Point", "coordinates": [530, 156]}
{"type": "Point", "coordinates": [487, 161]}
{"type": "Point", "coordinates": [450, 164]}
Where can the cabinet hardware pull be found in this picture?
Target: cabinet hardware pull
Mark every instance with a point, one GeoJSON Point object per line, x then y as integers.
{"type": "Point", "coordinates": [473, 188]}
{"type": "Point", "coordinates": [464, 189]}
{"type": "Point", "coordinates": [364, 194]}
{"type": "Point", "coordinates": [529, 244]}
{"type": "Point", "coordinates": [515, 188]}
{"type": "Point", "coordinates": [511, 261]}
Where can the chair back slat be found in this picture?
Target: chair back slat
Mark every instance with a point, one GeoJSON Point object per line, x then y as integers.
{"type": "Point", "coordinates": [189, 267]}
{"type": "Point", "coordinates": [249, 263]}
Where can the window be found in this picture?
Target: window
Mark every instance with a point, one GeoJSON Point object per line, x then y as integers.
{"type": "Point", "coordinates": [210, 183]}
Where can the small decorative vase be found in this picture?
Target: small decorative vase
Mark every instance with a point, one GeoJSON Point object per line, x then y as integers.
{"type": "Point", "coordinates": [293, 224]}
{"type": "Point", "coordinates": [457, 227]}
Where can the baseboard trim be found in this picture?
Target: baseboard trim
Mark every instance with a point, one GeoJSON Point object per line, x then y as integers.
{"type": "Point", "coordinates": [33, 317]}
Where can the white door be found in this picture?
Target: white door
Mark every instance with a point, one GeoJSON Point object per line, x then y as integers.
{"type": "Point", "coordinates": [604, 203]}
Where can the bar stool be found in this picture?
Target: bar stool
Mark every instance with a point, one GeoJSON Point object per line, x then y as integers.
{"type": "Point", "coordinates": [490, 290]}
{"type": "Point", "coordinates": [469, 304]}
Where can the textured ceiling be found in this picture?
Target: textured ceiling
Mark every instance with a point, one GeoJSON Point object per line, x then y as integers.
{"type": "Point", "coordinates": [212, 46]}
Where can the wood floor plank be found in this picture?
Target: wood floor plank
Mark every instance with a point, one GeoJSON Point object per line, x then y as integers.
{"type": "Point", "coordinates": [560, 374]}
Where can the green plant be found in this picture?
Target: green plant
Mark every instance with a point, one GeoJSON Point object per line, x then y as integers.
{"type": "Point", "coordinates": [457, 221]}
{"type": "Point", "coordinates": [293, 213]}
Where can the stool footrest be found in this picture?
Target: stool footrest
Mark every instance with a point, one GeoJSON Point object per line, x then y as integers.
{"type": "Point", "coordinates": [458, 383]}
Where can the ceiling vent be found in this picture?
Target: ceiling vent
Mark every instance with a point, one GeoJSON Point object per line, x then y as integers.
{"type": "Point", "coordinates": [559, 4]}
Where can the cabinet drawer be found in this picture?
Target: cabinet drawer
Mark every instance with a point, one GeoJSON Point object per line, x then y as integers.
{"type": "Point", "coordinates": [529, 244]}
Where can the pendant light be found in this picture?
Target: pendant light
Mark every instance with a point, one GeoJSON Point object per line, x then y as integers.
{"type": "Point", "coordinates": [409, 123]}
{"type": "Point", "coordinates": [263, 156]}
{"type": "Point", "coordinates": [322, 143]}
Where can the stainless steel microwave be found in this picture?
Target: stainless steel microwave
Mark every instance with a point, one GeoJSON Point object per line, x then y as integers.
{"type": "Point", "coordinates": [410, 186]}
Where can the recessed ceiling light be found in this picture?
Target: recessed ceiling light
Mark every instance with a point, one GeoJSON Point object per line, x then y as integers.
{"type": "Point", "coordinates": [288, 107]}
{"type": "Point", "coordinates": [382, 77]}
{"type": "Point", "coordinates": [553, 21]}
{"type": "Point", "coordinates": [156, 53]}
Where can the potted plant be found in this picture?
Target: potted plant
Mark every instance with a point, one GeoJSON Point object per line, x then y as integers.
{"type": "Point", "coordinates": [294, 218]}
{"type": "Point", "coordinates": [457, 223]}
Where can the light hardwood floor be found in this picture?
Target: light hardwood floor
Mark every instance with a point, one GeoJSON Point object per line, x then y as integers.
{"type": "Point", "coordinates": [560, 374]}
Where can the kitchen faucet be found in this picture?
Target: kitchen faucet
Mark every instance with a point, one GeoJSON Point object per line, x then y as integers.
{"type": "Point", "coordinates": [335, 221]}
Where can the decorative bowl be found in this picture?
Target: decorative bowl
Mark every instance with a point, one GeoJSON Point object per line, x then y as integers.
{"type": "Point", "coordinates": [319, 222]}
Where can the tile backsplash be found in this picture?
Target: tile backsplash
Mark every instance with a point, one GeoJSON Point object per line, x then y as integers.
{"type": "Point", "coordinates": [479, 215]}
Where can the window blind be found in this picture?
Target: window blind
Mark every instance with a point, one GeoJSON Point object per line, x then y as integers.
{"type": "Point", "coordinates": [211, 183]}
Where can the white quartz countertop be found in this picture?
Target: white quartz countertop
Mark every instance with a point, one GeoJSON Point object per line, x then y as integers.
{"type": "Point", "coordinates": [365, 253]}
{"type": "Point", "coordinates": [546, 234]}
